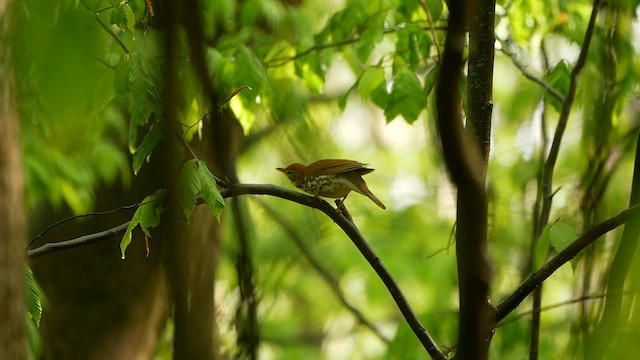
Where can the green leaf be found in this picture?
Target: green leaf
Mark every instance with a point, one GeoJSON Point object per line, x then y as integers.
{"type": "Point", "coordinates": [562, 234]}
{"type": "Point", "coordinates": [121, 84]}
{"type": "Point", "coordinates": [342, 24]}
{"type": "Point", "coordinates": [188, 186]}
{"type": "Point", "coordinates": [435, 8]}
{"type": "Point", "coordinates": [541, 250]}
{"type": "Point", "coordinates": [369, 81]}
{"type": "Point", "coordinates": [249, 72]}
{"type": "Point", "coordinates": [369, 38]}
{"type": "Point", "coordinates": [145, 91]}
{"type": "Point", "coordinates": [342, 100]}
{"type": "Point", "coordinates": [209, 190]}
{"type": "Point", "coordinates": [380, 96]}
{"type": "Point", "coordinates": [195, 179]}
{"type": "Point", "coordinates": [147, 216]}
{"type": "Point", "coordinates": [430, 80]}
{"type": "Point", "coordinates": [559, 79]}
{"type": "Point", "coordinates": [557, 235]}
{"type": "Point", "coordinates": [122, 16]}
{"type": "Point", "coordinates": [34, 303]}
{"type": "Point", "coordinates": [406, 98]}
{"type": "Point", "coordinates": [146, 147]}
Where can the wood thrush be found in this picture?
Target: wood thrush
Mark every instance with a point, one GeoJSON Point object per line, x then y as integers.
{"type": "Point", "coordinates": [332, 178]}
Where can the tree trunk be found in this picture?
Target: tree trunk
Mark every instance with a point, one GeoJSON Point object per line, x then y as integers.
{"type": "Point", "coordinates": [13, 344]}
{"type": "Point", "coordinates": [466, 155]}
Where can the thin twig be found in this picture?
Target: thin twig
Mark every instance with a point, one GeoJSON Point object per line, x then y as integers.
{"type": "Point", "coordinates": [111, 7]}
{"type": "Point", "coordinates": [564, 256]}
{"type": "Point", "coordinates": [49, 248]}
{"type": "Point", "coordinates": [546, 185]}
{"type": "Point", "coordinates": [528, 74]}
{"type": "Point", "coordinates": [426, 10]}
{"type": "Point", "coordinates": [95, 213]}
{"type": "Point", "coordinates": [107, 28]}
{"type": "Point", "coordinates": [560, 304]}
{"type": "Point", "coordinates": [281, 61]}
{"type": "Point", "coordinates": [567, 104]}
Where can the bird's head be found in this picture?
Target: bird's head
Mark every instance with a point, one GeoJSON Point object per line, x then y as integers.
{"type": "Point", "coordinates": [295, 172]}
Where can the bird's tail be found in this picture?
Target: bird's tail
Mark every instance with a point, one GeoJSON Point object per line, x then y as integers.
{"type": "Point", "coordinates": [373, 198]}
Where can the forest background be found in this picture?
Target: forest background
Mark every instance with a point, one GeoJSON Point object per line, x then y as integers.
{"type": "Point", "coordinates": [135, 129]}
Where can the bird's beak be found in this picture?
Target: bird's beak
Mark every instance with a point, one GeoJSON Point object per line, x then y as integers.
{"type": "Point", "coordinates": [280, 169]}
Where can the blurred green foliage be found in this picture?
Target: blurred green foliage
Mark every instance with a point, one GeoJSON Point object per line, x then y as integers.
{"type": "Point", "coordinates": [335, 80]}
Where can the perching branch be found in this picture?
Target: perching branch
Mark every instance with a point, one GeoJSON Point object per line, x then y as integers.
{"type": "Point", "coordinates": [324, 273]}
{"type": "Point", "coordinates": [564, 256]}
{"type": "Point", "coordinates": [310, 201]}
{"type": "Point", "coordinates": [359, 241]}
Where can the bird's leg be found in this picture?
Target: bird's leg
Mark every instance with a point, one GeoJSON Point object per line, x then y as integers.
{"type": "Point", "coordinates": [340, 204]}
{"type": "Point", "coordinates": [343, 209]}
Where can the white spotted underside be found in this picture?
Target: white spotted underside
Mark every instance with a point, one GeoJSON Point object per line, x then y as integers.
{"type": "Point", "coordinates": [323, 184]}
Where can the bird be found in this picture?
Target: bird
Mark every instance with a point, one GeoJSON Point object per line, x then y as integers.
{"type": "Point", "coordinates": [331, 178]}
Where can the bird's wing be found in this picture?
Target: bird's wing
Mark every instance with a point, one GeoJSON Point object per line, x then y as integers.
{"type": "Point", "coordinates": [335, 166]}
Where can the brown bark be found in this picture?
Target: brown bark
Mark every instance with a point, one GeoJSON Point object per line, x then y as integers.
{"type": "Point", "coordinates": [466, 153]}
{"type": "Point", "coordinates": [13, 343]}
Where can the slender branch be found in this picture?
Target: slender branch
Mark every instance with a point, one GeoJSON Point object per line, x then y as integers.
{"type": "Point", "coordinates": [564, 256]}
{"type": "Point", "coordinates": [560, 304]}
{"type": "Point", "coordinates": [324, 273]}
{"type": "Point", "coordinates": [549, 166]}
{"type": "Point", "coordinates": [95, 213]}
{"type": "Point", "coordinates": [528, 74]}
{"type": "Point", "coordinates": [80, 241]}
{"type": "Point", "coordinates": [281, 61]}
{"type": "Point", "coordinates": [112, 7]}
{"type": "Point", "coordinates": [546, 186]}
{"type": "Point", "coordinates": [432, 28]}
{"type": "Point", "coordinates": [107, 28]}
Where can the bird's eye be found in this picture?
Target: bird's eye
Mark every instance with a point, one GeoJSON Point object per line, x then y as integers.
{"type": "Point", "coordinates": [289, 172]}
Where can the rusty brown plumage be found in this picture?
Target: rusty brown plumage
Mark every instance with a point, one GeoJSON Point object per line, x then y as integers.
{"type": "Point", "coordinates": [332, 178]}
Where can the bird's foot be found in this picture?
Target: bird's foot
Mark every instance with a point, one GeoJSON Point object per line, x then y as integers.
{"type": "Point", "coordinates": [343, 209]}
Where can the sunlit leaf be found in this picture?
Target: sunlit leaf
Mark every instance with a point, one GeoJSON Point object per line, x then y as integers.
{"type": "Point", "coordinates": [369, 80]}
{"type": "Point", "coordinates": [559, 79]}
{"type": "Point", "coordinates": [562, 234]}
{"type": "Point", "coordinates": [406, 98]}
{"type": "Point", "coordinates": [147, 216]}
{"type": "Point", "coordinates": [369, 38]}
